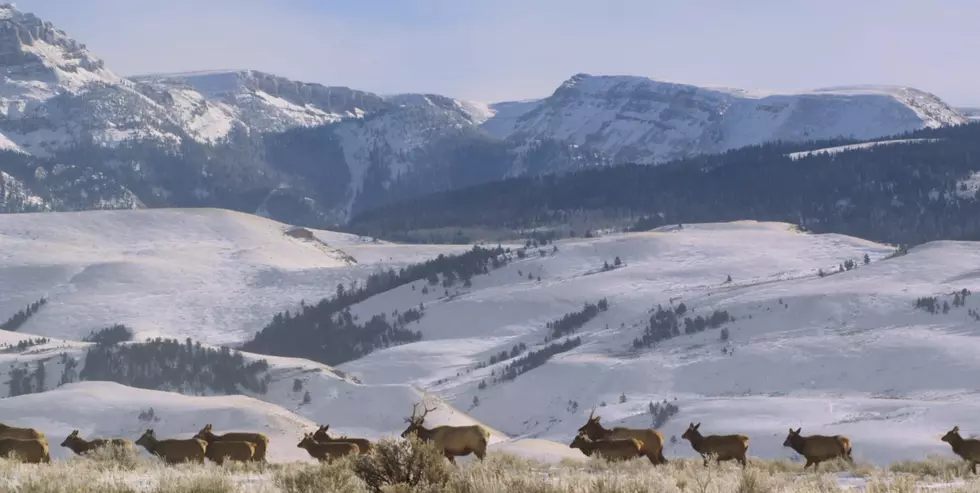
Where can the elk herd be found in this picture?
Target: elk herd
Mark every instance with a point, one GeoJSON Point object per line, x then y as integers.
{"type": "Point", "coordinates": [593, 439]}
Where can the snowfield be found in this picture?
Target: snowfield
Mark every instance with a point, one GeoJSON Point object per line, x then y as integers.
{"type": "Point", "coordinates": [847, 352]}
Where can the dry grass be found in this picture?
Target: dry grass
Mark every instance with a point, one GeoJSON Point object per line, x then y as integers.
{"type": "Point", "coordinates": [408, 467]}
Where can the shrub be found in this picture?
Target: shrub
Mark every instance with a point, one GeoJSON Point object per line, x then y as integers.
{"type": "Point", "coordinates": [337, 475]}
{"type": "Point", "coordinates": [409, 462]}
{"type": "Point", "coordinates": [114, 457]}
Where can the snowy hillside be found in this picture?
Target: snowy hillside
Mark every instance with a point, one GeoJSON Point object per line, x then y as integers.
{"type": "Point", "coordinates": [212, 102]}
{"type": "Point", "coordinates": [847, 352]}
{"type": "Point", "coordinates": [224, 273]}
{"type": "Point", "coordinates": [635, 119]}
{"type": "Point", "coordinates": [850, 147]}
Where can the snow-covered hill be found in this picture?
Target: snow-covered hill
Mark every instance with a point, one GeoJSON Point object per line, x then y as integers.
{"type": "Point", "coordinates": [223, 274]}
{"type": "Point", "coordinates": [636, 119]}
{"type": "Point", "coordinates": [846, 352]}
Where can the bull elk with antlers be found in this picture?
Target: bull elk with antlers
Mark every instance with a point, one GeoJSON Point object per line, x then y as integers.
{"type": "Point", "coordinates": [452, 441]}
{"type": "Point", "coordinates": [652, 440]}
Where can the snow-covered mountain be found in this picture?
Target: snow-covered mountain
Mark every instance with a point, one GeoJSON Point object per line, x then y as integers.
{"type": "Point", "coordinates": [795, 338]}
{"type": "Point", "coordinates": [79, 136]}
{"type": "Point", "coordinates": [56, 93]}
{"type": "Point", "coordinates": [636, 119]}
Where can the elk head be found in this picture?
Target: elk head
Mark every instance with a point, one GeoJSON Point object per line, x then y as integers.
{"type": "Point", "coordinates": [793, 437]}
{"type": "Point", "coordinates": [593, 429]}
{"type": "Point", "coordinates": [692, 432]}
{"type": "Point", "coordinates": [952, 435]}
{"type": "Point", "coordinates": [70, 438]}
{"type": "Point", "coordinates": [416, 421]}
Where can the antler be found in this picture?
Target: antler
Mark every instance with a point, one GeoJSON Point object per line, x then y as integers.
{"type": "Point", "coordinates": [592, 413]}
{"type": "Point", "coordinates": [414, 410]}
{"type": "Point", "coordinates": [415, 417]}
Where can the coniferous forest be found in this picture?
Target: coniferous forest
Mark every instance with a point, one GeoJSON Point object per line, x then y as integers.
{"type": "Point", "coordinates": [905, 193]}
{"type": "Point", "coordinates": [327, 332]}
{"type": "Point", "coordinates": [166, 364]}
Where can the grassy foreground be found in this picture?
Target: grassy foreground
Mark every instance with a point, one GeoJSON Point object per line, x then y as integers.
{"type": "Point", "coordinates": [404, 467]}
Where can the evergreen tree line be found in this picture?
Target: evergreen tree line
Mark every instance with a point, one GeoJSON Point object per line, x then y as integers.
{"type": "Point", "coordinates": [24, 381]}
{"type": "Point", "coordinates": [24, 344]}
{"type": "Point", "coordinates": [18, 319]}
{"type": "Point", "coordinates": [110, 335]}
{"type": "Point", "coordinates": [515, 351]}
{"type": "Point", "coordinates": [327, 332]}
{"type": "Point", "coordinates": [167, 364]}
{"type": "Point", "coordinates": [571, 322]}
{"type": "Point", "coordinates": [535, 359]}
{"type": "Point", "coordinates": [932, 304]}
{"type": "Point", "coordinates": [905, 193]}
{"type": "Point", "coordinates": [665, 324]}
{"type": "Point", "coordinates": [661, 412]}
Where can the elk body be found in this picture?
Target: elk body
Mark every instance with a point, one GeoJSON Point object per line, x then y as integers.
{"type": "Point", "coordinates": [22, 433]}
{"type": "Point", "coordinates": [174, 450]}
{"type": "Point", "coordinates": [81, 446]}
{"type": "Point", "coordinates": [724, 447]}
{"type": "Point", "coordinates": [652, 440]}
{"type": "Point", "coordinates": [238, 451]}
{"type": "Point", "coordinates": [325, 451]}
{"type": "Point", "coordinates": [261, 441]}
{"type": "Point", "coordinates": [614, 449]}
{"type": "Point", "coordinates": [818, 448]}
{"type": "Point", "coordinates": [363, 444]}
{"type": "Point", "coordinates": [452, 441]}
{"type": "Point", "coordinates": [29, 450]}
{"type": "Point", "coordinates": [967, 448]}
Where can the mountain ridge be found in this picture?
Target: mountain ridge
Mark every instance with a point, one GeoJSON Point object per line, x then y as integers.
{"type": "Point", "coordinates": [317, 155]}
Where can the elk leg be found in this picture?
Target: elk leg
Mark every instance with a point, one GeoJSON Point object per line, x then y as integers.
{"type": "Point", "coordinates": [705, 457]}
{"type": "Point", "coordinates": [973, 466]}
{"type": "Point", "coordinates": [808, 464]}
{"type": "Point", "coordinates": [742, 460]}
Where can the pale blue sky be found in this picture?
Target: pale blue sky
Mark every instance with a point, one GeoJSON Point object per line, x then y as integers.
{"type": "Point", "coordinates": [495, 50]}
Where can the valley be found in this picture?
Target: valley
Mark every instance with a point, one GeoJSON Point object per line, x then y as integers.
{"type": "Point", "coordinates": [803, 345]}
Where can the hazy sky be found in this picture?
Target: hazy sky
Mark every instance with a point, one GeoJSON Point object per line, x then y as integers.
{"type": "Point", "coordinates": [495, 50]}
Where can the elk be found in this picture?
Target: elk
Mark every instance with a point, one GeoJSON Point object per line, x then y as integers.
{"type": "Point", "coordinates": [723, 447]}
{"type": "Point", "coordinates": [325, 451]}
{"type": "Point", "coordinates": [652, 440]}
{"type": "Point", "coordinates": [22, 433]}
{"type": "Point", "coordinates": [452, 441]}
{"type": "Point", "coordinates": [818, 448]}
{"type": "Point", "coordinates": [614, 449]}
{"type": "Point", "coordinates": [363, 444]}
{"type": "Point", "coordinates": [81, 446]}
{"type": "Point", "coordinates": [31, 450]}
{"type": "Point", "coordinates": [239, 451]}
{"type": "Point", "coordinates": [967, 448]}
{"type": "Point", "coordinates": [261, 441]}
{"type": "Point", "coordinates": [174, 450]}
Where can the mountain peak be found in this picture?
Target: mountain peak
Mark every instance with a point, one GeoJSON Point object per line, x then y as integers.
{"type": "Point", "coordinates": [32, 49]}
